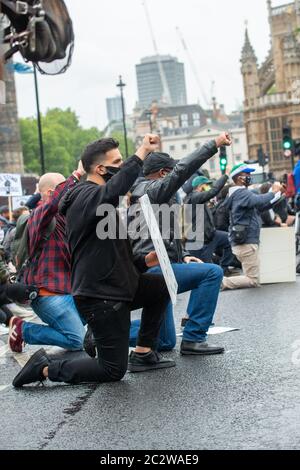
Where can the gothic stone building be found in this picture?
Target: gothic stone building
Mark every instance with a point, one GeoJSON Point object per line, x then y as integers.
{"type": "Point", "coordinates": [11, 156]}
{"type": "Point", "coordinates": [272, 90]}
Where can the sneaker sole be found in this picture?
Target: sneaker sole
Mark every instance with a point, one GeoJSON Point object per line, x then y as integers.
{"type": "Point", "coordinates": [38, 354]}
{"type": "Point", "coordinates": [135, 369]}
{"type": "Point", "coordinates": [212, 353]}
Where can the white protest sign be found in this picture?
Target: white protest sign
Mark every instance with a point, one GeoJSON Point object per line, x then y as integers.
{"type": "Point", "coordinates": [2, 92]}
{"type": "Point", "coordinates": [160, 248]}
{"type": "Point", "coordinates": [19, 201]}
{"type": "Point", "coordinates": [10, 185]}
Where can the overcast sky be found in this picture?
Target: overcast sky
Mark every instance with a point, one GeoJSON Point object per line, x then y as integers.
{"type": "Point", "coordinates": [112, 36]}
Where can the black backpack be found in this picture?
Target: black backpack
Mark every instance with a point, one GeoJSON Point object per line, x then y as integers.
{"type": "Point", "coordinates": [221, 216]}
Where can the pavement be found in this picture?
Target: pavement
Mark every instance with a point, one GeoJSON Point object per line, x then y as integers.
{"type": "Point", "coordinates": [248, 398]}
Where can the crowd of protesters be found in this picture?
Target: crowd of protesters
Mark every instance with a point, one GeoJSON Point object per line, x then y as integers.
{"type": "Point", "coordinates": [83, 286]}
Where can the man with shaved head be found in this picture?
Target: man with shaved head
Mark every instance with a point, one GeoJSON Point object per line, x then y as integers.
{"type": "Point", "coordinates": [48, 269]}
{"type": "Point", "coordinates": [48, 183]}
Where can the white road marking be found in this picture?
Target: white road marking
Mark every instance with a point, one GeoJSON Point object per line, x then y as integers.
{"type": "Point", "coordinates": [21, 358]}
{"type": "Point", "coordinates": [4, 350]}
{"type": "Point", "coordinates": [3, 330]}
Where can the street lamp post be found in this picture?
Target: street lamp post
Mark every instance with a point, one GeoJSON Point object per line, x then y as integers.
{"type": "Point", "coordinates": [149, 116]}
{"type": "Point", "coordinates": [122, 85]}
{"type": "Point", "coordinates": [40, 132]}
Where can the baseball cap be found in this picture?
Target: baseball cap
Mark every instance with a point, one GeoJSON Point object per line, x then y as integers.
{"type": "Point", "coordinates": [241, 168]}
{"type": "Point", "coordinates": [158, 161]}
{"type": "Point", "coordinates": [201, 180]}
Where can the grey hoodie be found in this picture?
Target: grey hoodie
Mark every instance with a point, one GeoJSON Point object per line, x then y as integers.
{"type": "Point", "coordinates": [244, 207]}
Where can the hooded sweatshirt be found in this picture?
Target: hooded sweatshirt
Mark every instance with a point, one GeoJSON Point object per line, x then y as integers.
{"type": "Point", "coordinates": [244, 207]}
{"type": "Point", "coordinates": [101, 269]}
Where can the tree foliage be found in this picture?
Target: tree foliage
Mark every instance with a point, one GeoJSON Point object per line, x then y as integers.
{"type": "Point", "coordinates": [64, 141]}
{"type": "Point", "coordinates": [119, 136]}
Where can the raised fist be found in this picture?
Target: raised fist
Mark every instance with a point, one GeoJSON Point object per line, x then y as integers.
{"type": "Point", "coordinates": [223, 139]}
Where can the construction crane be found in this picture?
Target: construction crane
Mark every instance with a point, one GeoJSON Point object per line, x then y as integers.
{"type": "Point", "coordinates": [166, 96]}
{"type": "Point", "coordinates": [194, 68]}
{"type": "Point", "coordinates": [212, 90]}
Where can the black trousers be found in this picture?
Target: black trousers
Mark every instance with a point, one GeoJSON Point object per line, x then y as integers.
{"type": "Point", "coordinates": [5, 315]}
{"type": "Point", "coordinates": [110, 323]}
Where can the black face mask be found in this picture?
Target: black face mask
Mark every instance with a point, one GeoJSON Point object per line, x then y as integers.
{"type": "Point", "coordinates": [247, 180]}
{"type": "Point", "coordinates": [110, 172]}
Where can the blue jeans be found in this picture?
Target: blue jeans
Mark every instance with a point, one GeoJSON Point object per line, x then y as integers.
{"type": "Point", "coordinates": [204, 280]}
{"type": "Point", "coordinates": [63, 325]}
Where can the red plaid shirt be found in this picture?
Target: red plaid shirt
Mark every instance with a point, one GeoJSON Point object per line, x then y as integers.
{"type": "Point", "coordinates": [52, 269]}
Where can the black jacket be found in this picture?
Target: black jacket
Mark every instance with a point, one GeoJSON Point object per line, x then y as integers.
{"type": "Point", "coordinates": [221, 216]}
{"type": "Point", "coordinates": [101, 268]}
{"type": "Point", "coordinates": [163, 191]}
{"type": "Point", "coordinates": [33, 201]}
{"type": "Point", "coordinates": [283, 209]}
{"type": "Point", "coordinates": [268, 219]}
{"type": "Point", "coordinates": [196, 198]}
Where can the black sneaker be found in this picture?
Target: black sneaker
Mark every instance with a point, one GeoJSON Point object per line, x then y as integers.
{"type": "Point", "coordinates": [184, 322]}
{"type": "Point", "coordinates": [33, 370]}
{"type": "Point", "coordinates": [89, 343]}
{"type": "Point", "coordinates": [145, 362]}
{"type": "Point", "coordinates": [199, 349]}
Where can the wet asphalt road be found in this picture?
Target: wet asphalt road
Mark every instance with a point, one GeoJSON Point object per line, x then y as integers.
{"type": "Point", "coordinates": [248, 398]}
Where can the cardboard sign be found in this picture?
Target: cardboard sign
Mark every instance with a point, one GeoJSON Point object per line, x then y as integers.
{"type": "Point", "coordinates": [160, 248]}
{"type": "Point", "coordinates": [10, 185]}
{"type": "Point", "coordinates": [19, 201]}
{"type": "Point", "coordinates": [2, 92]}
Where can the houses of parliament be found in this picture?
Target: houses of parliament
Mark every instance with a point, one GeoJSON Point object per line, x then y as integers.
{"type": "Point", "coordinates": [272, 90]}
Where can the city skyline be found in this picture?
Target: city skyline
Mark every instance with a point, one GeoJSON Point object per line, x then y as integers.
{"type": "Point", "coordinates": [213, 32]}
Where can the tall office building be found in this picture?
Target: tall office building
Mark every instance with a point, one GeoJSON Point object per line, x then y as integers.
{"type": "Point", "coordinates": [150, 83]}
{"type": "Point", "coordinates": [114, 109]}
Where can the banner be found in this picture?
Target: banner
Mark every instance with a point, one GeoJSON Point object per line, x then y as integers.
{"type": "Point", "coordinates": [10, 185]}
{"type": "Point", "coordinates": [19, 201]}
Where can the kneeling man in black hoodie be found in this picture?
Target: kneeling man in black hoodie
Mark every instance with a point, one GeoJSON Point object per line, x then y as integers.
{"type": "Point", "coordinates": [106, 285]}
